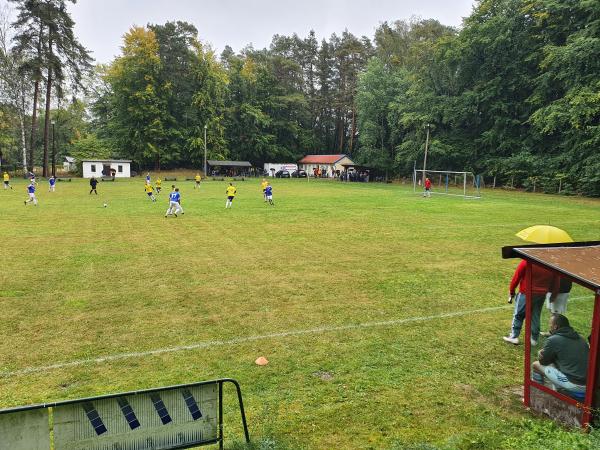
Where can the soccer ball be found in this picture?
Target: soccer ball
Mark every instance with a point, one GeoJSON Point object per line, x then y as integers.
{"type": "Point", "coordinates": [105, 205]}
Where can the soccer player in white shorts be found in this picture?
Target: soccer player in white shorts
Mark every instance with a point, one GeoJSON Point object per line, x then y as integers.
{"type": "Point", "coordinates": [31, 192]}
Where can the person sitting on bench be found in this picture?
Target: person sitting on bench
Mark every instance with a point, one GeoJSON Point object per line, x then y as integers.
{"type": "Point", "coordinates": [563, 360]}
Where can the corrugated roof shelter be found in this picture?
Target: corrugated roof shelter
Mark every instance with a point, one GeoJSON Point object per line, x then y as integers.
{"type": "Point", "coordinates": [215, 163]}
{"type": "Point", "coordinates": [580, 263]}
{"type": "Point", "coordinates": [230, 168]}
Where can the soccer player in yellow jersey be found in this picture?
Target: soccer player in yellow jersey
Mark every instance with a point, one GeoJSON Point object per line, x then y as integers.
{"type": "Point", "coordinates": [197, 178]}
{"type": "Point", "coordinates": [158, 183]}
{"type": "Point", "coordinates": [7, 181]}
{"type": "Point", "coordinates": [148, 188]}
{"type": "Point", "coordinates": [231, 191]}
{"type": "Point", "coordinates": [263, 186]}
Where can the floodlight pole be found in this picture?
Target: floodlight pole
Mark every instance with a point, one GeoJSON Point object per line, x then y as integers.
{"type": "Point", "coordinates": [53, 150]}
{"type": "Point", "coordinates": [426, 149]}
{"type": "Point", "coordinates": [205, 127]}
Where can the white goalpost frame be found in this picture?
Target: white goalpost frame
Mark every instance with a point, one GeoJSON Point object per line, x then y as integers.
{"type": "Point", "coordinates": [447, 172]}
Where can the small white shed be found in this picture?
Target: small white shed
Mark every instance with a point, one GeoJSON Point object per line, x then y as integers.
{"type": "Point", "coordinates": [118, 168]}
{"type": "Point", "coordinates": [69, 164]}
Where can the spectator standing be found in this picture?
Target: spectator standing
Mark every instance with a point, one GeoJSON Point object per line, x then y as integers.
{"type": "Point", "coordinates": [542, 280]}
{"type": "Point", "coordinates": [557, 302]}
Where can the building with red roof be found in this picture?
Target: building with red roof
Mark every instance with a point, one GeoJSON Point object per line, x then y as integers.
{"type": "Point", "coordinates": [329, 165]}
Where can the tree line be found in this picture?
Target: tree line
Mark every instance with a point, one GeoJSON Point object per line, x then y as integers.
{"type": "Point", "coordinates": [513, 95]}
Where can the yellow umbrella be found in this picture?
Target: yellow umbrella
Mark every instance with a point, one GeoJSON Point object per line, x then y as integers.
{"type": "Point", "coordinates": [544, 234]}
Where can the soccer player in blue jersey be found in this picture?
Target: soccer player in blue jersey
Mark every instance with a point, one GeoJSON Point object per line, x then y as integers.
{"type": "Point", "coordinates": [148, 178]}
{"type": "Point", "coordinates": [51, 184]}
{"type": "Point", "coordinates": [174, 207]}
{"type": "Point", "coordinates": [269, 194]}
{"type": "Point", "coordinates": [31, 192]}
{"type": "Point", "coordinates": [179, 201]}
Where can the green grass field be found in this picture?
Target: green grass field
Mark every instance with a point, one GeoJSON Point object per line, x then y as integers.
{"type": "Point", "coordinates": [371, 303]}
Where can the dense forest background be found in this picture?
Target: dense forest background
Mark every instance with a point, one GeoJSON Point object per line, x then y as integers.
{"type": "Point", "coordinates": [513, 95]}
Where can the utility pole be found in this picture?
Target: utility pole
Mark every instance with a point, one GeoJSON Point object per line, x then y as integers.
{"type": "Point", "coordinates": [205, 127]}
{"type": "Point", "coordinates": [53, 150]}
{"type": "Point", "coordinates": [426, 149]}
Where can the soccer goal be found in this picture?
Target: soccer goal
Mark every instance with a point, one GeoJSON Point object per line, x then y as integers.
{"type": "Point", "coordinates": [448, 182]}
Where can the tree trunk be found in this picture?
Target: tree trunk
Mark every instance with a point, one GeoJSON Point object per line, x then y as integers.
{"type": "Point", "coordinates": [341, 133]}
{"type": "Point", "coordinates": [353, 131]}
{"type": "Point", "coordinates": [36, 93]}
{"type": "Point", "coordinates": [47, 115]}
{"type": "Point", "coordinates": [23, 143]}
{"type": "Point", "coordinates": [382, 136]}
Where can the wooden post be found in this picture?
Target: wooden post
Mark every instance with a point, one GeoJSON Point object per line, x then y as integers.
{"type": "Point", "coordinates": [425, 158]}
{"type": "Point", "coordinates": [528, 312]}
{"type": "Point", "coordinates": [592, 363]}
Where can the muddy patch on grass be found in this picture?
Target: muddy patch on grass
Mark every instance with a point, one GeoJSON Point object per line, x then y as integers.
{"type": "Point", "coordinates": [323, 375]}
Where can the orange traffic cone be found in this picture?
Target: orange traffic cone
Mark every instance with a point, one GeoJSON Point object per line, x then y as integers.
{"type": "Point", "coordinates": [261, 361]}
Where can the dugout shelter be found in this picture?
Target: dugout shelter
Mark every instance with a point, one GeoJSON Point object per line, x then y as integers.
{"type": "Point", "coordinates": [230, 168]}
{"type": "Point", "coordinates": [580, 263]}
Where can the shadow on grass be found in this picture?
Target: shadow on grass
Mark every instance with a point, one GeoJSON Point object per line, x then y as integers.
{"type": "Point", "coordinates": [526, 435]}
{"type": "Point", "coordinates": [264, 443]}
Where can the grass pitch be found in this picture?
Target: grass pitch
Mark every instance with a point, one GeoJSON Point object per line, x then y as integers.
{"type": "Point", "coordinates": [380, 312]}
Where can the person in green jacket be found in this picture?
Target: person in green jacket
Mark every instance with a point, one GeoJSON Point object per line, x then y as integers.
{"type": "Point", "coordinates": [563, 359]}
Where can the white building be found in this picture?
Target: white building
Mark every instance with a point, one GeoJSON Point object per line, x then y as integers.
{"type": "Point", "coordinates": [118, 168]}
{"type": "Point", "coordinates": [329, 165]}
{"type": "Point", "coordinates": [271, 168]}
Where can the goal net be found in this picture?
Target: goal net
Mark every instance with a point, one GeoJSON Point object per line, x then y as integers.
{"type": "Point", "coordinates": [448, 182]}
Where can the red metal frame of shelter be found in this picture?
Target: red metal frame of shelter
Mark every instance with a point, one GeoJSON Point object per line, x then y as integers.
{"type": "Point", "coordinates": [549, 257]}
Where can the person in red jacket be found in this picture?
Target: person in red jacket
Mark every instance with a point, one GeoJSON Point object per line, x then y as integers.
{"type": "Point", "coordinates": [542, 280]}
{"type": "Point", "coordinates": [427, 192]}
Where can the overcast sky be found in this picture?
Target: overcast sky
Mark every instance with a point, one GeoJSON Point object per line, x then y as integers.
{"type": "Point", "coordinates": [100, 24]}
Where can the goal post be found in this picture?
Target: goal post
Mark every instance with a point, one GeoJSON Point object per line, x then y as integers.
{"type": "Point", "coordinates": [449, 182]}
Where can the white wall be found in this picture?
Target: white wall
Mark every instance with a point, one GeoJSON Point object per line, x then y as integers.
{"type": "Point", "coordinates": [88, 173]}
{"type": "Point", "coordinates": [290, 167]}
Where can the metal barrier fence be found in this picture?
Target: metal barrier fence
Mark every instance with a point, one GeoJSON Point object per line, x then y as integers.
{"type": "Point", "coordinates": [167, 418]}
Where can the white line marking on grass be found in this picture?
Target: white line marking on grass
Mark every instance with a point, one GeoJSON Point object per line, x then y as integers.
{"type": "Point", "coordinates": [242, 340]}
